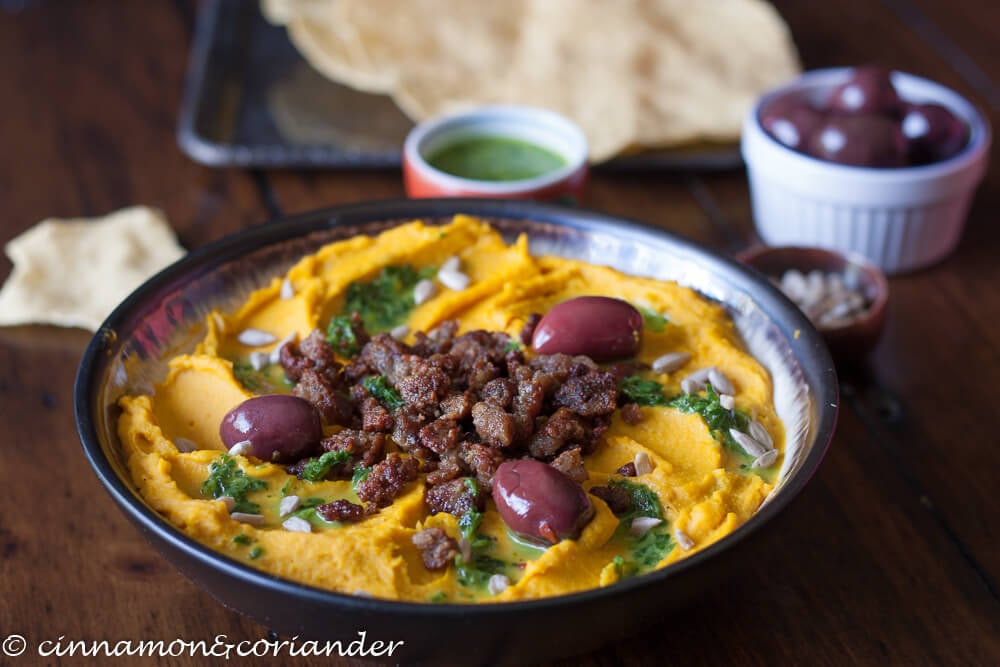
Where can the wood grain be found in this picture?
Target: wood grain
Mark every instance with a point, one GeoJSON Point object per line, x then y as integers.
{"type": "Point", "coordinates": [890, 556]}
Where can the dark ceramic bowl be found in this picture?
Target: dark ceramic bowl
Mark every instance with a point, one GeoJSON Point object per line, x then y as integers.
{"type": "Point", "coordinates": [853, 340]}
{"type": "Point", "coordinates": [165, 316]}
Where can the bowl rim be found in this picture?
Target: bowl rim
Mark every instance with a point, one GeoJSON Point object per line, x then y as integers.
{"type": "Point", "coordinates": [413, 155]}
{"type": "Point", "coordinates": [980, 133]}
{"type": "Point", "coordinates": [203, 259]}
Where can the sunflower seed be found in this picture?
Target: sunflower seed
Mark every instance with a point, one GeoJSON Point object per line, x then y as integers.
{"type": "Point", "coordinates": [643, 466]}
{"type": "Point", "coordinates": [454, 280]}
{"type": "Point", "coordinates": [747, 443]}
{"type": "Point", "coordinates": [423, 291]}
{"type": "Point", "coordinates": [241, 448]}
{"type": "Point", "coordinates": [362, 594]}
{"type": "Point", "coordinates": [259, 359]}
{"type": "Point", "coordinates": [256, 337]}
{"type": "Point", "coordinates": [498, 584]}
{"type": "Point", "coordinates": [760, 434]}
{"type": "Point", "coordinates": [297, 525]}
{"type": "Point", "coordinates": [185, 445]}
{"type": "Point", "coordinates": [399, 333]}
{"type": "Point", "coordinates": [682, 539]}
{"type": "Point", "coordinates": [252, 519]}
{"type": "Point", "coordinates": [642, 525]}
{"type": "Point", "coordinates": [695, 382]}
{"type": "Point", "coordinates": [765, 460]}
{"type": "Point", "coordinates": [288, 505]}
{"type": "Point", "coordinates": [451, 265]}
{"type": "Point", "coordinates": [668, 363]}
{"type": "Point", "coordinates": [793, 284]}
{"type": "Point", "coordinates": [287, 290]}
{"type": "Point", "coordinates": [229, 502]}
{"type": "Point", "coordinates": [727, 401]}
{"type": "Point", "coordinates": [720, 382]}
{"type": "Point", "coordinates": [465, 548]}
{"type": "Point", "coordinates": [689, 386]}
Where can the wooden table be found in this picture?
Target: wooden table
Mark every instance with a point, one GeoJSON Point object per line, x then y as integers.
{"type": "Point", "coordinates": [891, 554]}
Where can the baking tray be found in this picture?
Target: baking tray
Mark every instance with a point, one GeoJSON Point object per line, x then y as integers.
{"type": "Point", "coordinates": [250, 100]}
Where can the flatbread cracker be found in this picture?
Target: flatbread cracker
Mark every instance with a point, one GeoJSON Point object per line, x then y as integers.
{"type": "Point", "coordinates": [72, 273]}
{"type": "Point", "coordinates": [631, 73]}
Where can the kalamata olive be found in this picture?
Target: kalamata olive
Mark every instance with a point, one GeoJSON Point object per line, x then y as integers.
{"type": "Point", "coordinates": [933, 133]}
{"type": "Point", "coordinates": [597, 326]}
{"type": "Point", "coordinates": [279, 427]}
{"type": "Point", "coordinates": [863, 140]}
{"type": "Point", "coordinates": [539, 502]}
{"type": "Point", "coordinates": [792, 122]}
{"type": "Point", "coordinates": [869, 90]}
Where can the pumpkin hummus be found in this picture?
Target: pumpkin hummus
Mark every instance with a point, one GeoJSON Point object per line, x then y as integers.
{"type": "Point", "coordinates": [676, 466]}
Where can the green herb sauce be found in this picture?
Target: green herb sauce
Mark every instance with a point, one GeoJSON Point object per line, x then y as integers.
{"type": "Point", "coordinates": [481, 566]}
{"type": "Point", "coordinates": [653, 321]}
{"type": "Point", "coordinates": [317, 469]}
{"type": "Point", "coordinates": [268, 380]}
{"type": "Point", "coordinates": [493, 158]}
{"type": "Point", "coordinates": [634, 389]}
{"type": "Point", "coordinates": [718, 419]}
{"type": "Point", "coordinates": [225, 478]}
{"type": "Point", "coordinates": [386, 300]}
{"type": "Point", "coordinates": [384, 392]}
{"type": "Point", "coordinates": [645, 551]}
{"type": "Point", "coordinates": [341, 337]}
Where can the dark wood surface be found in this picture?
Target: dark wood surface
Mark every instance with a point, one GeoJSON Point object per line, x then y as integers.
{"type": "Point", "coordinates": [890, 556]}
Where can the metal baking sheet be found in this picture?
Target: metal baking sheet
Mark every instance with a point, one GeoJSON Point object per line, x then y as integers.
{"type": "Point", "coordinates": [251, 100]}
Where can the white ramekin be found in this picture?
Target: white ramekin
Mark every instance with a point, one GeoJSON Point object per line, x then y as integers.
{"type": "Point", "coordinates": [901, 219]}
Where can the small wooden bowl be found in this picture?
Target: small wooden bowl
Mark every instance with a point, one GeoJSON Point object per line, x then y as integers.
{"type": "Point", "coordinates": [849, 342]}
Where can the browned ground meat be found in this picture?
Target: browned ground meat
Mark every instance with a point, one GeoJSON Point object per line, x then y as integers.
{"type": "Point", "coordinates": [499, 391]}
{"type": "Point", "coordinates": [366, 449]}
{"type": "Point", "coordinates": [380, 356]}
{"type": "Point", "coordinates": [623, 369]}
{"type": "Point", "coordinates": [617, 498]}
{"type": "Point", "coordinates": [589, 395]}
{"type": "Point", "coordinates": [457, 406]}
{"type": "Point", "coordinates": [333, 405]}
{"type": "Point", "coordinates": [456, 497]}
{"type": "Point", "coordinates": [440, 435]}
{"type": "Point", "coordinates": [436, 549]}
{"type": "Point", "coordinates": [631, 414]}
{"type": "Point", "coordinates": [627, 470]}
{"type": "Point", "coordinates": [494, 426]}
{"type": "Point", "coordinates": [561, 429]}
{"type": "Point", "coordinates": [374, 416]}
{"type": "Point", "coordinates": [341, 510]}
{"type": "Point", "coordinates": [437, 340]}
{"type": "Point", "coordinates": [387, 479]}
{"type": "Point", "coordinates": [528, 330]}
{"type": "Point", "coordinates": [570, 463]}
{"type": "Point", "coordinates": [424, 386]}
{"type": "Point", "coordinates": [312, 353]}
{"type": "Point", "coordinates": [469, 403]}
{"type": "Point", "coordinates": [449, 466]}
{"type": "Point", "coordinates": [406, 431]}
{"type": "Point", "coordinates": [482, 461]}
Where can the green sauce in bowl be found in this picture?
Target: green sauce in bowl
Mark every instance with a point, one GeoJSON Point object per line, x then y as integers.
{"type": "Point", "coordinates": [492, 158]}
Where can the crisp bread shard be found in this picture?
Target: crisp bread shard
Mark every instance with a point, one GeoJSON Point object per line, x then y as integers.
{"type": "Point", "coordinates": [73, 273]}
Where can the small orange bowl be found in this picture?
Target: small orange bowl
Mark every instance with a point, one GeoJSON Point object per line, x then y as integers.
{"type": "Point", "coordinates": [851, 339]}
{"type": "Point", "coordinates": [537, 127]}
